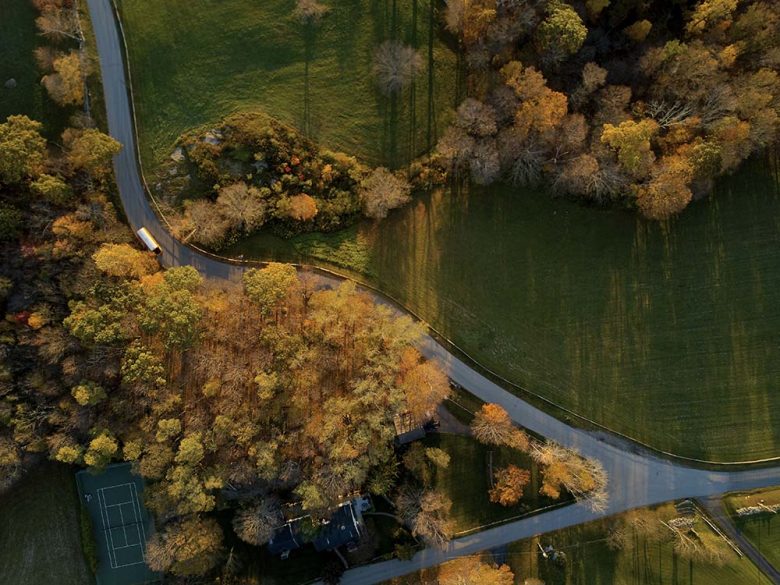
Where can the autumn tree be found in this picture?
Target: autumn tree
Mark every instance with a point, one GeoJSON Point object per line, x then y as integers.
{"type": "Point", "coordinates": [510, 481]}
{"type": "Point", "coordinates": [90, 150]}
{"type": "Point", "coordinates": [310, 11]}
{"type": "Point", "coordinates": [471, 570]}
{"type": "Point", "coordinates": [187, 547]}
{"type": "Point", "coordinates": [562, 32]}
{"type": "Point", "coordinates": [424, 383]}
{"type": "Point", "coordinates": [241, 206]}
{"type": "Point", "coordinates": [268, 287]}
{"type": "Point", "coordinates": [427, 514]}
{"type": "Point", "coordinates": [492, 426]}
{"type": "Point", "coordinates": [52, 188]}
{"type": "Point", "coordinates": [301, 207]}
{"type": "Point", "coordinates": [631, 140]}
{"type": "Point", "coordinates": [256, 523]}
{"type": "Point", "coordinates": [566, 469]}
{"type": "Point", "coordinates": [22, 149]}
{"type": "Point", "coordinates": [395, 66]}
{"type": "Point", "coordinates": [123, 260]}
{"type": "Point", "coordinates": [66, 83]}
{"type": "Point", "coordinates": [382, 191]}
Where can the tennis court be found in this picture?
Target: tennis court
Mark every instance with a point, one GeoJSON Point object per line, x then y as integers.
{"type": "Point", "coordinates": [121, 524]}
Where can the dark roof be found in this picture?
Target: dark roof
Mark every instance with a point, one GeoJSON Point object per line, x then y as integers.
{"type": "Point", "coordinates": [340, 530]}
{"type": "Point", "coordinates": [410, 436]}
{"type": "Point", "coordinates": [285, 538]}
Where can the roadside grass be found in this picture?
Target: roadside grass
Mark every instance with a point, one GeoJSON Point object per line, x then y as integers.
{"type": "Point", "coordinates": [663, 332]}
{"type": "Point", "coordinates": [590, 561]}
{"type": "Point", "coordinates": [40, 531]}
{"type": "Point", "coordinates": [467, 481]}
{"type": "Point", "coordinates": [194, 62]}
{"type": "Point", "coordinates": [18, 40]}
{"type": "Point", "coordinates": [762, 530]}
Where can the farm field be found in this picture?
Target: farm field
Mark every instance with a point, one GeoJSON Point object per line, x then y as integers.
{"type": "Point", "coordinates": [194, 62]}
{"type": "Point", "coordinates": [663, 332]}
{"type": "Point", "coordinates": [40, 534]}
{"type": "Point", "coordinates": [763, 530]}
{"type": "Point", "coordinates": [590, 561]}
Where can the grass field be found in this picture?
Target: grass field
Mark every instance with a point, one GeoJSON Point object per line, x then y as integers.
{"type": "Point", "coordinates": [590, 561]}
{"type": "Point", "coordinates": [467, 481]}
{"type": "Point", "coordinates": [39, 532]}
{"type": "Point", "coordinates": [763, 530]}
{"type": "Point", "coordinates": [666, 333]}
{"type": "Point", "coordinates": [194, 62]}
{"type": "Point", "coordinates": [18, 39]}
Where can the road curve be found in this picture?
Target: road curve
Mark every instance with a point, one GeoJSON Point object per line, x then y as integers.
{"type": "Point", "coordinates": [636, 478]}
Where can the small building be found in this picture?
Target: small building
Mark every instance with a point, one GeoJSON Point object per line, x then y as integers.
{"type": "Point", "coordinates": [407, 429]}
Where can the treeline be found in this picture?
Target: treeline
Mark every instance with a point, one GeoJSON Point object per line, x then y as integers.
{"type": "Point", "coordinates": [252, 172]}
{"type": "Point", "coordinates": [639, 103]}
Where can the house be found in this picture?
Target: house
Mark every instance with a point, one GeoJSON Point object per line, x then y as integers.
{"type": "Point", "coordinates": [286, 538]}
{"type": "Point", "coordinates": [342, 529]}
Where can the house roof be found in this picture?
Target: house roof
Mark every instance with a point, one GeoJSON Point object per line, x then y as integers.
{"type": "Point", "coordinates": [342, 529]}
{"type": "Point", "coordinates": [285, 538]}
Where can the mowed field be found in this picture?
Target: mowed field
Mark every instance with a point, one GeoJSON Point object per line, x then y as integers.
{"type": "Point", "coordinates": [763, 530]}
{"type": "Point", "coordinates": [39, 532]}
{"type": "Point", "coordinates": [194, 62]}
{"type": "Point", "coordinates": [667, 333]}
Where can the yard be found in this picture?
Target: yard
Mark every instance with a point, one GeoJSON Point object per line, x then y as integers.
{"type": "Point", "coordinates": [590, 561]}
{"type": "Point", "coordinates": [39, 534]}
{"type": "Point", "coordinates": [762, 529]}
{"type": "Point", "coordinates": [467, 481]}
{"type": "Point", "coordinates": [194, 62]}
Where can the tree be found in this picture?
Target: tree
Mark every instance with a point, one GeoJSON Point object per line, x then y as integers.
{"type": "Point", "coordinates": [241, 206]}
{"type": "Point", "coordinates": [101, 450]}
{"type": "Point", "coordinates": [66, 84]}
{"type": "Point", "coordinates": [256, 523]}
{"type": "Point", "coordinates": [510, 481]}
{"type": "Point", "coordinates": [471, 570]}
{"type": "Point", "coordinates": [395, 66]}
{"type": "Point", "coordinates": [382, 191]}
{"type": "Point", "coordinates": [310, 11]}
{"type": "Point", "coordinates": [492, 426]}
{"type": "Point", "coordinates": [206, 226]}
{"type": "Point", "coordinates": [631, 140]}
{"type": "Point", "coordinates": [667, 193]}
{"type": "Point", "coordinates": [90, 150]}
{"type": "Point", "coordinates": [427, 514]}
{"type": "Point", "coordinates": [268, 287]}
{"type": "Point", "coordinates": [59, 23]}
{"type": "Point", "coordinates": [562, 32]}
{"type": "Point", "coordinates": [566, 469]}
{"type": "Point", "coordinates": [302, 207]}
{"type": "Point", "coordinates": [638, 31]}
{"type": "Point", "coordinates": [124, 261]}
{"type": "Point", "coordinates": [188, 547]}
{"type": "Point", "coordinates": [424, 383]}
{"type": "Point", "coordinates": [52, 188]}
{"type": "Point", "coordinates": [88, 393]}
{"type": "Point", "coordinates": [708, 14]}
{"type": "Point", "coordinates": [22, 149]}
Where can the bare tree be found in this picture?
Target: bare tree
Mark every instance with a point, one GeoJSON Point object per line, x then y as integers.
{"type": "Point", "coordinates": [256, 524]}
{"type": "Point", "coordinates": [427, 514]}
{"type": "Point", "coordinates": [383, 191]}
{"type": "Point", "coordinates": [310, 11]}
{"type": "Point", "coordinates": [396, 65]}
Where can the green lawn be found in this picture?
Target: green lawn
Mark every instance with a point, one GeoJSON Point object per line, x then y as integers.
{"type": "Point", "coordinates": [18, 39]}
{"type": "Point", "coordinates": [666, 333]}
{"type": "Point", "coordinates": [763, 530]}
{"type": "Point", "coordinates": [467, 480]}
{"type": "Point", "coordinates": [194, 62]}
{"type": "Point", "coordinates": [590, 561]}
{"type": "Point", "coordinates": [39, 532]}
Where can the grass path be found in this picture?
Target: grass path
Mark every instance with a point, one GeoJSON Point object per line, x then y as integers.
{"type": "Point", "coordinates": [39, 531]}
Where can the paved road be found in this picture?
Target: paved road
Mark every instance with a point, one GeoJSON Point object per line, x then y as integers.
{"type": "Point", "coordinates": [636, 479]}
{"type": "Point", "coordinates": [717, 511]}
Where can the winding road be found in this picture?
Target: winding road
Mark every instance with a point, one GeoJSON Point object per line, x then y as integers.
{"type": "Point", "coordinates": [636, 479]}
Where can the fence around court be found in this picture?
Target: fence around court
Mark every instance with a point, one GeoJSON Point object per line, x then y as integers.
{"type": "Point", "coordinates": [120, 523]}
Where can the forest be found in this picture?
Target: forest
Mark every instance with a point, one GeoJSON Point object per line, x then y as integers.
{"type": "Point", "coordinates": [641, 103]}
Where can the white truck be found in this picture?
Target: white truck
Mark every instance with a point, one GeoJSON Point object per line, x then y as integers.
{"type": "Point", "coordinates": [149, 241]}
